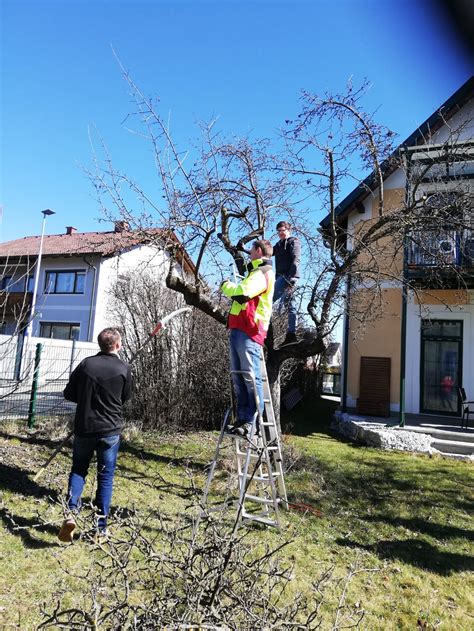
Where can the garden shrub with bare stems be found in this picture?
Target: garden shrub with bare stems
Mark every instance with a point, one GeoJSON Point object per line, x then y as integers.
{"type": "Point", "coordinates": [154, 573]}
{"type": "Point", "coordinates": [181, 379]}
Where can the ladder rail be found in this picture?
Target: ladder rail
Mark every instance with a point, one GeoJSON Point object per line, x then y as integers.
{"type": "Point", "coordinates": [210, 475]}
{"type": "Point", "coordinates": [262, 447]}
{"type": "Point", "coordinates": [268, 408]}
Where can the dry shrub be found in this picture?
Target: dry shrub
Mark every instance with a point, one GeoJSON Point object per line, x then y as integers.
{"type": "Point", "coordinates": [181, 377]}
{"type": "Point", "coordinates": [156, 574]}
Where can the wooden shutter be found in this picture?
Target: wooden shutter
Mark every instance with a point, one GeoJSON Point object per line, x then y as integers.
{"type": "Point", "coordinates": [374, 386]}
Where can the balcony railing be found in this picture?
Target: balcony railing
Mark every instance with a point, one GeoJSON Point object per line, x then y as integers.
{"type": "Point", "coordinates": [440, 248]}
{"type": "Point", "coordinates": [15, 304]}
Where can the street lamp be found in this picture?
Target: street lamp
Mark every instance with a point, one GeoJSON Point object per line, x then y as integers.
{"type": "Point", "coordinates": [29, 328]}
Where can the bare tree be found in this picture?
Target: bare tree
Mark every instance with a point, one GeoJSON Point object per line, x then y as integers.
{"type": "Point", "coordinates": [219, 196]}
{"type": "Point", "coordinates": [180, 379]}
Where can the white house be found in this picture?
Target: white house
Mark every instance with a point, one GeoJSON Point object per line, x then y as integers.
{"type": "Point", "coordinates": [76, 274]}
{"type": "Point", "coordinates": [423, 341]}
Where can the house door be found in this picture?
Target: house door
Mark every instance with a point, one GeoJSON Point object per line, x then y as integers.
{"type": "Point", "coordinates": [441, 366]}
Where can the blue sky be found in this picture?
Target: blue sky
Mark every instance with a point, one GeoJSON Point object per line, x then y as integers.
{"type": "Point", "coordinates": [243, 60]}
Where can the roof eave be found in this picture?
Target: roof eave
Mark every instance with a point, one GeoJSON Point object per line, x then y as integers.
{"type": "Point", "coordinates": [431, 124]}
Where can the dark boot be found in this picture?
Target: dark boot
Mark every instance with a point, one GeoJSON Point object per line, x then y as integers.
{"type": "Point", "coordinates": [290, 338]}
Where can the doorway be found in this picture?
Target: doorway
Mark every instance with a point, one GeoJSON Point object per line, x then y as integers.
{"type": "Point", "coordinates": [441, 366]}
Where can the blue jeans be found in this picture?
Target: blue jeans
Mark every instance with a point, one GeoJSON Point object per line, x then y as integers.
{"type": "Point", "coordinates": [82, 452]}
{"type": "Point", "coordinates": [245, 356]}
{"type": "Point", "coordinates": [284, 291]}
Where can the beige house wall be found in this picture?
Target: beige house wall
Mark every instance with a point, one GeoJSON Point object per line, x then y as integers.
{"type": "Point", "coordinates": [379, 338]}
{"type": "Point", "coordinates": [442, 297]}
{"type": "Point", "coordinates": [392, 200]}
{"type": "Point", "coordinates": [383, 258]}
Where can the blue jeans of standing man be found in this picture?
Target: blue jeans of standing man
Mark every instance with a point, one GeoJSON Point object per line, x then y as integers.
{"type": "Point", "coordinates": [245, 356]}
{"type": "Point", "coordinates": [284, 290]}
{"type": "Point", "coordinates": [107, 452]}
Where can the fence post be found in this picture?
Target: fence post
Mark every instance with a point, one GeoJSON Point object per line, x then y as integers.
{"type": "Point", "coordinates": [34, 387]}
{"type": "Point", "coordinates": [73, 351]}
{"type": "Point", "coordinates": [19, 355]}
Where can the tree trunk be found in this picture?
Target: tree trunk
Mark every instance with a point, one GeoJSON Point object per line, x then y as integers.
{"type": "Point", "coordinates": [273, 372]}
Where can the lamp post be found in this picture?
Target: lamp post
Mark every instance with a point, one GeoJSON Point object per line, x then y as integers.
{"type": "Point", "coordinates": [29, 328]}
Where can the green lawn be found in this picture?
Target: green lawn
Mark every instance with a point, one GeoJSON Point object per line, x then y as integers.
{"type": "Point", "coordinates": [393, 534]}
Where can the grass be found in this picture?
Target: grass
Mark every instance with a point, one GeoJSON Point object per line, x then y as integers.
{"type": "Point", "coordinates": [400, 521]}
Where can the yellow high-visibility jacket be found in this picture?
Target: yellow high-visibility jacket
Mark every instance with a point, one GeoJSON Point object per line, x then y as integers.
{"type": "Point", "coordinates": [251, 307]}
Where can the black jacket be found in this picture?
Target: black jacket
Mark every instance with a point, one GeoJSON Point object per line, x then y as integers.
{"type": "Point", "coordinates": [287, 253]}
{"type": "Point", "coordinates": [100, 385]}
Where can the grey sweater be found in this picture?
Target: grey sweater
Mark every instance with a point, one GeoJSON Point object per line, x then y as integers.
{"type": "Point", "coordinates": [287, 253]}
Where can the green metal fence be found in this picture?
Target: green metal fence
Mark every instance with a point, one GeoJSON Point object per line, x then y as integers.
{"type": "Point", "coordinates": [33, 375]}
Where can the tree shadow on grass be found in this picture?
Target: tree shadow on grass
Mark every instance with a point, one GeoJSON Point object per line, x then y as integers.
{"type": "Point", "coordinates": [142, 454]}
{"type": "Point", "coordinates": [17, 480]}
{"type": "Point", "coordinates": [433, 529]}
{"type": "Point", "coordinates": [33, 439]}
{"type": "Point", "coordinates": [418, 553]}
{"type": "Point", "coordinates": [23, 527]}
{"type": "Point", "coordinates": [156, 482]}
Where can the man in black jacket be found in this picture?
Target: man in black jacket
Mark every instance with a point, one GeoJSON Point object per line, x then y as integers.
{"type": "Point", "coordinates": [100, 385]}
{"type": "Point", "coordinates": [287, 253]}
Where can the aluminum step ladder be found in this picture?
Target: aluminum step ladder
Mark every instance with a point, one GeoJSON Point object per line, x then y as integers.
{"type": "Point", "coordinates": [262, 490]}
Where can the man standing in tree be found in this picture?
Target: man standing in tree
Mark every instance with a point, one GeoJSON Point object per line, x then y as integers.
{"type": "Point", "coordinates": [248, 322]}
{"type": "Point", "coordinates": [287, 253]}
{"type": "Point", "coordinates": [100, 385]}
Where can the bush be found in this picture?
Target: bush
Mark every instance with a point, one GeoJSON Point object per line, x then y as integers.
{"type": "Point", "coordinates": [181, 378]}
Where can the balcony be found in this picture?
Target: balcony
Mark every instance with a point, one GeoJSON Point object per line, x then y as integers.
{"type": "Point", "coordinates": [15, 304]}
{"type": "Point", "coordinates": [444, 256]}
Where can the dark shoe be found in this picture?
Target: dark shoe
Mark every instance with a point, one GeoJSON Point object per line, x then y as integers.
{"type": "Point", "coordinates": [243, 430]}
{"type": "Point", "coordinates": [66, 533]}
{"type": "Point", "coordinates": [290, 338]}
{"type": "Point", "coordinates": [230, 427]}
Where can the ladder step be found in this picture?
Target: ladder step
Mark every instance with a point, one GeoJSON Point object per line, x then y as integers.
{"type": "Point", "coordinates": [261, 500]}
{"type": "Point", "coordinates": [256, 453]}
{"type": "Point", "coordinates": [262, 478]}
{"type": "Point", "coordinates": [253, 455]}
{"type": "Point", "coordinates": [218, 507]}
{"type": "Point", "coordinates": [268, 424]}
{"type": "Point", "coordinates": [260, 519]}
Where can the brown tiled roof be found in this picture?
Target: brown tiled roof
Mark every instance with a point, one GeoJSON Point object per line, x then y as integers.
{"type": "Point", "coordinates": [79, 243]}
{"type": "Point", "coordinates": [103, 243]}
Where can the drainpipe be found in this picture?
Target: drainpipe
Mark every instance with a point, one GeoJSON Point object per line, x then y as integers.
{"type": "Point", "coordinates": [94, 268]}
{"type": "Point", "coordinates": [403, 327]}
{"type": "Point", "coordinates": [345, 346]}
{"type": "Point", "coordinates": [403, 346]}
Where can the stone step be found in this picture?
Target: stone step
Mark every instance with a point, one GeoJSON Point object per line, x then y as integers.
{"type": "Point", "coordinates": [465, 436]}
{"type": "Point", "coordinates": [453, 446]}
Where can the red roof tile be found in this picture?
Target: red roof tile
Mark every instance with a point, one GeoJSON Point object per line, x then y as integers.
{"type": "Point", "coordinates": [79, 243]}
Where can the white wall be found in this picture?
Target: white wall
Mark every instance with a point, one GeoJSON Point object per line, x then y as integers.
{"type": "Point", "coordinates": [138, 260]}
{"type": "Point", "coordinates": [57, 357]}
{"type": "Point", "coordinates": [462, 122]}
{"type": "Point", "coordinates": [413, 346]}
{"type": "Point", "coordinates": [89, 309]}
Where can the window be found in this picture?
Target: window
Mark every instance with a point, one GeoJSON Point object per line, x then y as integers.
{"type": "Point", "coordinates": [60, 330]}
{"type": "Point", "coordinates": [18, 284]}
{"type": "Point", "coordinates": [440, 237]}
{"type": "Point", "coordinates": [71, 282]}
{"type": "Point", "coordinates": [441, 366]}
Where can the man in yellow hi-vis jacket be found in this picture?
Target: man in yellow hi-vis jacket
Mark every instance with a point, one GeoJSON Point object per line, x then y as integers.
{"type": "Point", "coordinates": [248, 321]}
